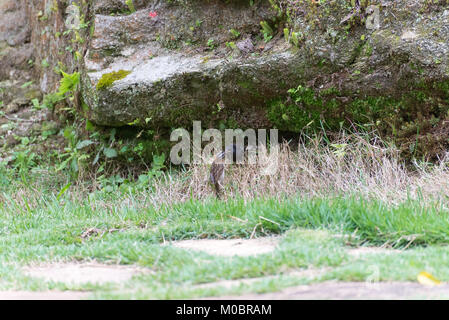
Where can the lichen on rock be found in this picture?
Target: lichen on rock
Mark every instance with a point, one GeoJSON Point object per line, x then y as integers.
{"type": "Point", "coordinates": [108, 79]}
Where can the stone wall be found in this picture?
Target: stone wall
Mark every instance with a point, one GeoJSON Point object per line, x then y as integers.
{"type": "Point", "coordinates": [163, 64]}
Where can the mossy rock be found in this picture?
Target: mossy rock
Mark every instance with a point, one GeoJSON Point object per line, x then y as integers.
{"type": "Point", "coordinates": [108, 79]}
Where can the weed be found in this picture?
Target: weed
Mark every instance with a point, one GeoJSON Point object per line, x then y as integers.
{"type": "Point", "coordinates": [267, 31]}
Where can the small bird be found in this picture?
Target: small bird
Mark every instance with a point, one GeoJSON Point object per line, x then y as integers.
{"type": "Point", "coordinates": [218, 165]}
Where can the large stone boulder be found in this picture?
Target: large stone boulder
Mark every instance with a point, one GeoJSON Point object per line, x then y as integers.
{"type": "Point", "coordinates": [181, 65]}
{"type": "Point", "coordinates": [162, 64]}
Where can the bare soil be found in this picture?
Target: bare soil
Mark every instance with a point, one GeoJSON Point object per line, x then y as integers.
{"type": "Point", "coordinates": [371, 250]}
{"type": "Point", "coordinates": [101, 273]}
{"type": "Point", "coordinates": [42, 295]}
{"type": "Point", "coordinates": [309, 273]}
{"type": "Point", "coordinates": [230, 247]}
{"type": "Point", "coordinates": [83, 272]}
{"type": "Point", "coordinates": [352, 290]}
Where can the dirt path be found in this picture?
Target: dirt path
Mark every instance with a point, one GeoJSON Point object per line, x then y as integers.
{"type": "Point", "coordinates": [77, 273]}
{"type": "Point", "coordinates": [230, 247]}
{"type": "Point", "coordinates": [43, 295]}
{"type": "Point", "coordinates": [83, 272]}
{"type": "Point", "coordinates": [352, 290]}
{"type": "Point", "coordinates": [325, 290]}
{"type": "Point", "coordinates": [72, 273]}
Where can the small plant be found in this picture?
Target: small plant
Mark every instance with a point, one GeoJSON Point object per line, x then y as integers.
{"type": "Point", "coordinates": [155, 172]}
{"type": "Point", "coordinates": [235, 34]}
{"type": "Point", "coordinates": [106, 148]}
{"type": "Point", "coordinates": [210, 44]}
{"type": "Point", "coordinates": [231, 45]}
{"type": "Point", "coordinates": [23, 161]}
{"type": "Point", "coordinates": [74, 158]}
{"type": "Point", "coordinates": [295, 39]}
{"type": "Point", "coordinates": [267, 31]}
{"type": "Point", "coordinates": [44, 63]}
{"type": "Point", "coordinates": [287, 34]}
{"type": "Point", "coordinates": [68, 83]}
{"type": "Point", "coordinates": [51, 99]}
{"type": "Point", "coordinates": [36, 104]}
{"type": "Point", "coordinates": [130, 5]}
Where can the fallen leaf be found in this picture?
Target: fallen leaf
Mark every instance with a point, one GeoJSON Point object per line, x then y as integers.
{"type": "Point", "coordinates": [427, 279]}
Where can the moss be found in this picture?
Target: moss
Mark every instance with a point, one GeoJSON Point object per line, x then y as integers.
{"type": "Point", "coordinates": [443, 87]}
{"type": "Point", "coordinates": [33, 94]}
{"type": "Point", "coordinates": [414, 121]}
{"type": "Point", "coordinates": [305, 108]}
{"type": "Point", "coordinates": [247, 87]}
{"type": "Point", "coordinates": [108, 79]}
{"type": "Point", "coordinates": [245, 84]}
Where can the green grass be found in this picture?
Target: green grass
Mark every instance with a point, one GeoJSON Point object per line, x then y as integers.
{"type": "Point", "coordinates": [316, 233]}
{"type": "Point", "coordinates": [53, 221]}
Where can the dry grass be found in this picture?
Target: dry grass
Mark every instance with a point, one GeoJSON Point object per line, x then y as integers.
{"type": "Point", "coordinates": [352, 164]}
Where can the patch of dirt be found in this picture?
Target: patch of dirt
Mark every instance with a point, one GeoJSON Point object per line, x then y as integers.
{"type": "Point", "coordinates": [42, 295]}
{"type": "Point", "coordinates": [357, 252]}
{"type": "Point", "coordinates": [83, 272]}
{"type": "Point", "coordinates": [230, 247]}
{"type": "Point", "coordinates": [309, 273]}
{"type": "Point", "coordinates": [352, 290]}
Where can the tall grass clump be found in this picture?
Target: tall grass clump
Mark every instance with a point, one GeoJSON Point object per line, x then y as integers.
{"type": "Point", "coordinates": [354, 164]}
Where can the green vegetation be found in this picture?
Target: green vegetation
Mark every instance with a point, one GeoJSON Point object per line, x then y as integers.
{"type": "Point", "coordinates": [306, 108]}
{"type": "Point", "coordinates": [72, 191]}
{"type": "Point", "coordinates": [68, 83]}
{"type": "Point", "coordinates": [397, 119]}
{"type": "Point", "coordinates": [130, 5]}
{"type": "Point", "coordinates": [295, 38]}
{"type": "Point", "coordinates": [108, 79]}
{"type": "Point", "coordinates": [235, 34]}
{"type": "Point", "coordinates": [267, 31]}
{"type": "Point", "coordinates": [52, 225]}
{"type": "Point", "coordinates": [211, 44]}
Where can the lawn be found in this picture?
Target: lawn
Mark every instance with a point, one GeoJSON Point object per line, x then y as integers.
{"type": "Point", "coordinates": [361, 217]}
{"type": "Point", "coordinates": [315, 234]}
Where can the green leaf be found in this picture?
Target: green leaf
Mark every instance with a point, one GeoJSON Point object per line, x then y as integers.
{"type": "Point", "coordinates": [74, 165]}
{"type": "Point", "coordinates": [130, 5]}
{"type": "Point", "coordinates": [110, 152]}
{"type": "Point", "coordinates": [286, 34]}
{"type": "Point", "coordinates": [234, 33]}
{"type": "Point", "coordinates": [36, 104]}
{"type": "Point", "coordinates": [63, 164]}
{"type": "Point", "coordinates": [97, 157]}
{"type": "Point", "coordinates": [89, 126]}
{"type": "Point", "coordinates": [68, 133]}
{"type": "Point", "coordinates": [158, 160]}
{"type": "Point", "coordinates": [295, 39]}
{"type": "Point", "coordinates": [68, 82]}
{"type": "Point", "coordinates": [26, 84]}
{"type": "Point", "coordinates": [83, 144]}
{"type": "Point", "coordinates": [63, 190]}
